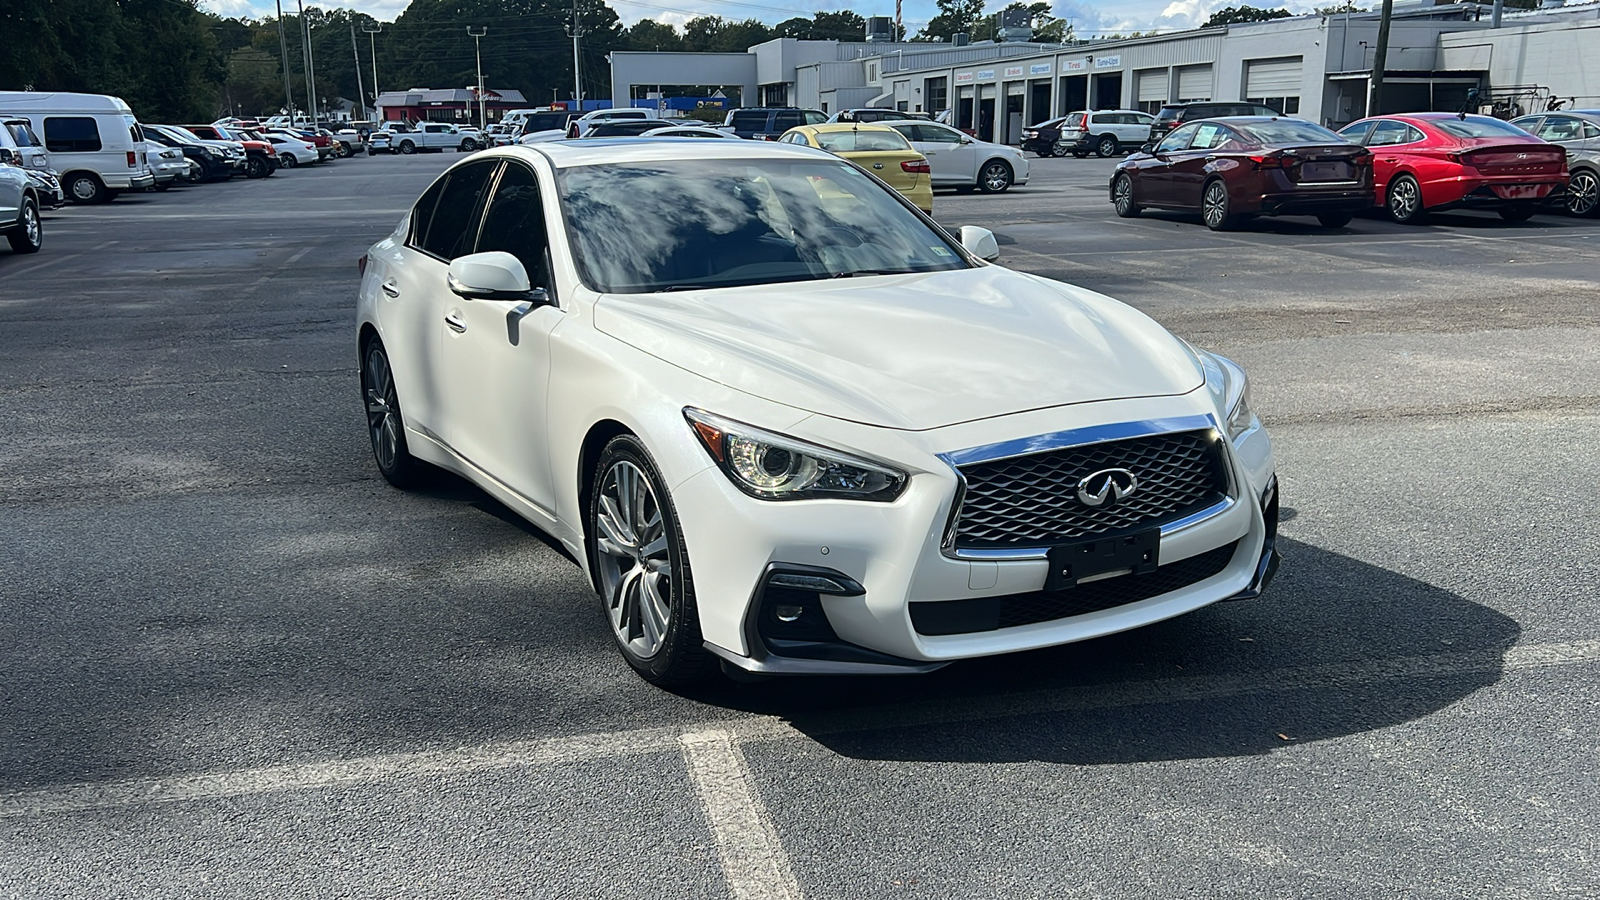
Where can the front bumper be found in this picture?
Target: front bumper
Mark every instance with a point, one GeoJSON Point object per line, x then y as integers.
{"type": "Point", "coordinates": [897, 570]}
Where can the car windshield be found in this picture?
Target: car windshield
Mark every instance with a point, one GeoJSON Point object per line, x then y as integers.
{"type": "Point", "coordinates": [1288, 131]}
{"type": "Point", "coordinates": [683, 224]}
{"type": "Point", "coordinates": [861, 141]}
{"type": "Point", "coordinates": [1478, 127]}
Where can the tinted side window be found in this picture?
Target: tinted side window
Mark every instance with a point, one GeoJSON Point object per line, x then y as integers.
{"type": "Point", "coordinates": [1357, 133]}
{"type": "Point", "coordinates": [1177, 140]}
{"type": "Point", "coordinates": [515, 222]}
{"type": "Point", "coordinates": [937, 135]}
{"type": "Point", "coordinates": [749, 121]}
{"type": "Point", "coordinates": [453, 228]}
{"type": "Point", "coordinates": [71, 134]}
{"type": "Point", "coordinates": [422, 213]}
{"type": "Point", "coordinates": [783, 121]}
{"type": "Point", "coordinates": [1389, 132]}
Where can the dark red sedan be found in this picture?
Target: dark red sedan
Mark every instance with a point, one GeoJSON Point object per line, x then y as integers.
{"type": "Point", "coordinates": [1429, 161]}
{"type": "Point", "coordinates": [1237, 167]}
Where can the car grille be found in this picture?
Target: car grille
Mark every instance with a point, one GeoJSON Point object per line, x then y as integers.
{"type": "Point", "coordinates": [1031, 501]}
{"type": "Point", "coordinates": [990, 613]}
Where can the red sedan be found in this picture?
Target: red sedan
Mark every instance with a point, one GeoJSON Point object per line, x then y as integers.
{"type": "Point", "coordinates": [1429, 161]}
{"type": "Point", "coordinates": [1233, 168]}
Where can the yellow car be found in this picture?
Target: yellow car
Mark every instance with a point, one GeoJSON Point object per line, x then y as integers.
{"type": "Point", "coordinates": [877, 148]}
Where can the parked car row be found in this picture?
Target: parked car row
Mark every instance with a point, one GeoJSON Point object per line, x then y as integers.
{"type": "Point", "coordinates": [1232, 168]}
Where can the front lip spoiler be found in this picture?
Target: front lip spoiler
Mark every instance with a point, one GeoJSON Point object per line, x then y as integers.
{"type": "Point", "coordinates": [771, 664]}
{"type": "Point", "coordinates": [1267, 566]}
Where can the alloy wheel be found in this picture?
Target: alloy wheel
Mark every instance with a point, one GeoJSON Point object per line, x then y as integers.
{"type": "Point", "coordinates": [1405, 200]}
{"type": "Point", "coordinates": [1214, 206]}
{"type": "Point", "coordinates": [1107, 147]}
{"type": "Point", "coordinates": [289, 161]}
{"type": "Point", "coordinates": [634, 559]}
{"type": "Point", "coordinates": [32, 230]}
{"type": "Point", "coordinates": [1122, 196]}
{"type": "Point", "coordinates": [996, 177]}
{"type": "Point", "coordinates": [1583, 193]}
{"type": "Point", "coordinates": [383, 409]}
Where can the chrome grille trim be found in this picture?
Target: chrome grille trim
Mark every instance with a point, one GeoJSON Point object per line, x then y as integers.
{"type": "Point", "coordinates": [1171, 528]}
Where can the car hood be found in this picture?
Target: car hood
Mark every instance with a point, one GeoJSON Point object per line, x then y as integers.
{"type": "Point", "coordinates": [910, 351]}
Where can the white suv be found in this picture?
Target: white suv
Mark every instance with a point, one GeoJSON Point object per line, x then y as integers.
{"type": "Point", "coordinates": [1103, 132]}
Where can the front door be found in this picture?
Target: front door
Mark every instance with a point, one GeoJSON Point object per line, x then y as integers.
{"type": "Point", "coordinates": [1156, 176]}
{"type": "Point", "coordinates": [496, 353]}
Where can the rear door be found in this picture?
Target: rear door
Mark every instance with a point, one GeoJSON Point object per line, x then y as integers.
{"type": "Point", "coordinates": [952, 156]}
{"type": "Point", "coordinates": [1190, 167]}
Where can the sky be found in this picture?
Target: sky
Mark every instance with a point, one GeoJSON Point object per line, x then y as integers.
{"type": "Point", "coordinates": [1088, 19]}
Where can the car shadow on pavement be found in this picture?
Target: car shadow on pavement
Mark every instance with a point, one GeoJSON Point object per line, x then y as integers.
{"type": "Point", "coordinates": [1336, 647]}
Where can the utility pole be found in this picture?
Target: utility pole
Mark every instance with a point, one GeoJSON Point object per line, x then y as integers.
{"type": "Point", "coordinates": [1380, 59]}
{"type": "Point", "coordinates": [477, 49]}
{"type": "Point", "coordinates": [311, 72]}
{"type": "Point", "coordinates": [361, 92]}
{"type": "Point", "coordinates": [577, 76]}
{"type": "Point", "coordinates": [283, 60]}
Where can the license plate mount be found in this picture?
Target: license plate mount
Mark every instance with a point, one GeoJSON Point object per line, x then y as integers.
{"type": "Point", "coordinates": [1325, 171]}
{"type": "Point", "coordinates": [1071, 564]}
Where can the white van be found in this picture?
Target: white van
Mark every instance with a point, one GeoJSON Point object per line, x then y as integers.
{"type": "Point", "coordinates": [94, 141]}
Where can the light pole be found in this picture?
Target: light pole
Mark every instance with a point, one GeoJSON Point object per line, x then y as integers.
{"type": "Point", "coordinates": [477, 50]}
{"type": "Point", "coordinates": [372, 36]}
{"type": "Point", "coordinates": [577, 77]}
{"type": "Point", "coordinates": [311, 71]}
{"type": "Point", "coordinates": [283, 60]}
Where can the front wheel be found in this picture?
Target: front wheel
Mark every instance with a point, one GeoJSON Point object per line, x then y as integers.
{"type": "Point", "coordinates": [28, 236]}
{"type": "Point", "coordinates": [1517, 213]}
{"type": "Point", "coordinates": [1334, 220]}
{"type": "Point", "coordinates": [1122, 197]}
{"type": "Point", "coordinates": [1215, 206]}
{"type": "Point", "coordinates": [86, 188]}
{"type": "Point", "coordinates": [1583, 193]}
{"type": "Point", "coordinates": [385, 423]}
{"type": "Point", "coordinates": [995, 177]}
{"type": "Point", "coordinates": [641, 568]}
{"type": "Point", "coordinates": [407, 147]}
{"type": "Point", "coordinates": [1405, 201]}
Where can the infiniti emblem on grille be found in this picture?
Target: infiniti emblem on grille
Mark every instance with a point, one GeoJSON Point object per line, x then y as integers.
{"type": "Point", "coordinates": [1106, 487]}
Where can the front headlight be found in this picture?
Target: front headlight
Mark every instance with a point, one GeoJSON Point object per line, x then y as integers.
{"type": "Point", "coordinates": [1230, 388]}
{"type": "Point", "coordinates": [777, 467]}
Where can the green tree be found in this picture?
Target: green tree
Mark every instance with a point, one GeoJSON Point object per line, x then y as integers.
{"type": "Point", "coordinates": [648, 34]}
{"type": "Point", "coordinates": [1238, 15]}
{"type": "Point", "coordinates": [955, 17]}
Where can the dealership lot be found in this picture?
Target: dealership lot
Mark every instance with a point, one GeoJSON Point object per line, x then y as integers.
{"type": "Point", "coordinates": [238, 663]}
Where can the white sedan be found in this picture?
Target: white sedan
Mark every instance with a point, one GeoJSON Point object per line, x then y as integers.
{"type": "Point", "coordinates": [788, 424]}
{"type": "Point", "coordinates": [961, 161]}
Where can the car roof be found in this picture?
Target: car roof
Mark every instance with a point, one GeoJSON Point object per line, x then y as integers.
{"type": "Point", "coordinates": [836, 127]}
{"type": "Point", "coordinates": [565, 154]}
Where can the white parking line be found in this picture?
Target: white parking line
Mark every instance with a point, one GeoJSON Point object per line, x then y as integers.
{"type": "Point", "coordinates": [752, 857]}
{"type": "Point", "coordinates": [715, 775]}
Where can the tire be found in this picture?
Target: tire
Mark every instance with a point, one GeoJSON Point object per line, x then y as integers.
{"type": "Point", "coordinates": [256, 167]}
{"type": "Point", "coordinates": [1520, 213]}
{"type": "Point", "coordinates": [162, 186]}
{"type": "Point", "coordinates": [1405, 201]}
{"type": "Point", "coordinates": [1335, 220]}
{"type": "Point", "coordinates": [84, 187]}
{"type": "Point", "coordinates": [636, 550]}
{"type": "Point", "coordinates": [995, 177]}
{"type": "Point", "coordinates": [385, 422]}
{"type": "Point", "coordinates": [1122, 197]}
{"type": "Point", "coordinates": [1583, 193]}
{"type": "Point", "coordinates": [1106, 147]}
{"type": "Point", "coordinates": [1079, 154]}
{"type": "Point", "coordinates": [1216, 206]}
{"type": "Point", "coordinates": [1047, 152]}
{"type": "Point", "coordinates": [28, 236]}
{"type": "Point", "coordinates": [468, 145]}
{"type": "Point", "coordinates": [287, 160]}
{"type": "Point", "coordinates": [407, 147]}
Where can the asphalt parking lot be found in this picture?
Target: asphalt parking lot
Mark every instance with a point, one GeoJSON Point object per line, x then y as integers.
{"type": "Point", "coordinates": [237, 663]}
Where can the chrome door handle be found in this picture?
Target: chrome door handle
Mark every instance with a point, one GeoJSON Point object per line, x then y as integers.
{"type": "Point", "coordinates": [390, 289]}
{"type": "Point", "coordinates": [877, 165]}
{"type": "Point", "coordinates": [1211, 159]}
{"type": "Point", "coordinates": [455, 323]}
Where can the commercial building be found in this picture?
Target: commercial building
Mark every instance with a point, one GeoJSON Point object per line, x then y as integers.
{"type": "Point", "coordinates": [1315, 67]}
{"type": "Point", "coordinates": [456, 105]}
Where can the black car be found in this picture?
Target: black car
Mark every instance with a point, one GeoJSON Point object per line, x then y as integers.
{"type": "Point", "coordinates": [215, 163]}
{"type": "Point", "coordinates": [768, 123]}
{"type": "Point", "coordinates": [624, 128]}
{"type": "Point", "coordinates": [1174, 114]}
{"type": "Point", "coordinates": [548, 120]}
{"type": "Point", "coordinates": [1041, 138]}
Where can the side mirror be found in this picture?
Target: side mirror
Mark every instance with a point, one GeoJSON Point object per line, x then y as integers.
{"type": "Point", "coordinates": [1149, 147]}
{"type": "Point", "coordinates": [495, 275]}
{"type": "Point", "coordinates": [980, 242]}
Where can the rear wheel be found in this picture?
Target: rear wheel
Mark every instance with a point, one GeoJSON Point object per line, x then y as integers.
{"type": "Point", "coordinates": [641, 568]}
{"type": "Point", "coordinates": [163, 186]}
{"type": "Point", "coordinates": [287, 160]}
{"type": "Point", "coordinates": [407, 147]}
{"type": "Point", "coordinates": [28, 236]}
{"type": "Point", "coordinates": [468, 145]}
{"type": "Point", "coordinates": [1334, 220]}
{"type": "Point", "coordinates": [1047, 152]}
{"type": "Point", "coordinates": [1122, 197]}
{"type": "Point", "coordinates": [995, 177]}
{"type": "Point", "coordinates": [1405, 201]}
{"type": "Point", "coordinates": [1106, 146]}
{"type": "Point", "coordinates": [84, 187]}
{"type": "Point", "coordinates": [1215, 206]}
{"type": "Point", "coordinates": [1518, 213]}
{"type": "Point", "coordinates": [256, 167]}
{"type": "Point", "coordinates": [1583, 193]}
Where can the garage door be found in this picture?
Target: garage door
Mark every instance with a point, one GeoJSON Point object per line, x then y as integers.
{"type": "Point", "coordinates": [1272, 77]}
{"type": "Point", "coordinates": [1194, 83]}
{"type": "Point", "coordinates": [1153, 85]}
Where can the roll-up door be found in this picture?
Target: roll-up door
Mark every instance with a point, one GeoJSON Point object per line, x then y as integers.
{"type": "Point", "coordinates": [1153, 85]}
{"type": "Point", "coordinates": [1194, 83]}
{"type": "Point", "coordinates": [1272, 77]}
{"type": "Point", "coordinates": [1016, 88]}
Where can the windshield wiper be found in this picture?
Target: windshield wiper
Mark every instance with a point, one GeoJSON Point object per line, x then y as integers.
{"type": "Point", "coordinates": [854, 272]}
